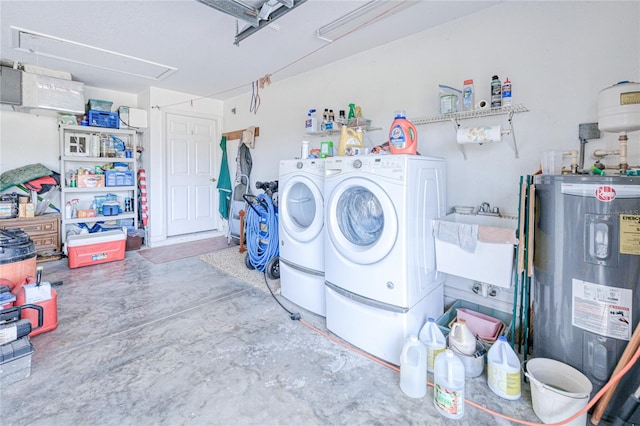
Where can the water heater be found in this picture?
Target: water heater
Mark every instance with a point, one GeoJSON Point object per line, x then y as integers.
{"type": "Point", "coordinates": [586, 294]}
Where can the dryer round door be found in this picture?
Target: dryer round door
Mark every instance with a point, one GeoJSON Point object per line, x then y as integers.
{"type": "Point", "coordinates": [361, 221]}
{"type": "Point", "coordinates": [301, 209]}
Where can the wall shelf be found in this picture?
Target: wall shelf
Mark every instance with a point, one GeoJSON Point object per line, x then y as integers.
{"type": "Point", "coordinates": [455, 118]}
{"type": "Point", "coordinates": [337, 131]}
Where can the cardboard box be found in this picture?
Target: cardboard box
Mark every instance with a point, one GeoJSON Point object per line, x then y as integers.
{"type": "Point", "coordinates": [86, 213]}
{"type": "Point", "coordinates": [26, 210]}
{"type": "Point", "coordinates": [90, 181]}
{"type": "Point", "coordinates": [15, 361]}
{"type": "Point", "coordinates": [96, 248]}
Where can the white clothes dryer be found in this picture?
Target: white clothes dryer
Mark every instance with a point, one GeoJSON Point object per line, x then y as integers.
{"type": "Point", "coordinates": [380, 275]}
{"type": "Point", "coordinates": [301, 226]}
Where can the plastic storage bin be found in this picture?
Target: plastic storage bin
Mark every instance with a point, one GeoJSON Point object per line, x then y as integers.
{"type": "Point", "coordinates": [451, 314]}
{"type": "Point", "coordinates": [115, 178]}
{"type": "Point", "coordinates": [99, 105]}
{"type": "Point", "coordinates": [15, 361]}
{"type": "Point", "coordinates": [103, 119]}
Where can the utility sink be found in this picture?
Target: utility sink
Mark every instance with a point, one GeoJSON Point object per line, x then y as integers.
{"type": "Point", "coordinates": [484, 249]}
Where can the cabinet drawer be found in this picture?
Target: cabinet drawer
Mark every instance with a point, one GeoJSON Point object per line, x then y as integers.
{"type": "Point", "coordinates": [45, 241]}
{"type": "Point", "coordinates": [33, 226]}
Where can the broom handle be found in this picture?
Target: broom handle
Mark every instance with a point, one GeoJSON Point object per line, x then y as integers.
{"type": "Point", "coordinates": [631, 348]}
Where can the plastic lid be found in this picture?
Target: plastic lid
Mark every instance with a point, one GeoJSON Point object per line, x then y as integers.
{"type": "Point", "coordinates": [401, 113]}
{"type": "Point", "coordinates": [431, 319]}
{"type": "Point", "coordinates": [502, 338]}
{"type": "Point", "coordinates": [495, 77]}
{"type": "Point", "coordinates": [468, 82]}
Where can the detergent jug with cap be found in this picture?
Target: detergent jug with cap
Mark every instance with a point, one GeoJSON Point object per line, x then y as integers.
{"type": "Point", "coordinates": [349, 138]}
{"type": "Point", "coordinates": [403, 136]}
{"type": "Point", "coordinates": [461, 338]}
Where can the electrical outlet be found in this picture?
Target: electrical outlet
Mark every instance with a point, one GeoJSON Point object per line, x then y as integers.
{"type": "Point", "coordinates": [588, 131]}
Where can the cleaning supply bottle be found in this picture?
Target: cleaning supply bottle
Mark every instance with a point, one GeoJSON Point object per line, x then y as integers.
{"type": "Point", "coordinates": [467, 96]}
{"type": "Point", "coordinates": [311, 123]}
{"type": "Point", "coordinates": [413, 369]}
{"type": "Point", "coordinates": [304, 151]}
{"type": "Point", "coordinates": [496, 92]}
{"type": "Point", "coordinates": [461, 338]}
{"type": "Point", "coordinates": [403, 136]}
{"type": "Point", "coordinates": [448, 385]}
{"type": "Point", "coordinates": [503, 370]}
{"type": "Point", "coordinates": [434, 340]}
{"type": "Point", "coordinates": [506, 92]}
{"type": "Point", "coordinates": [349, 138]}
{"type": "Point", "coordinates": [68, 211]}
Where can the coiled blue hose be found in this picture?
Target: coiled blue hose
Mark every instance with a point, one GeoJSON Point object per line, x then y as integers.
{"type": "Point", "coordinates": [262, 232]}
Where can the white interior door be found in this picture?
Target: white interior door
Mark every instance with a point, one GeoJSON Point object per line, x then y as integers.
{"type": "Point", "coordinates": [192, 169]}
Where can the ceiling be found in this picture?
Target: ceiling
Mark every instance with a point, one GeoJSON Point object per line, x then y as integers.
{"type": "Point", "coordinates": [196, 41]}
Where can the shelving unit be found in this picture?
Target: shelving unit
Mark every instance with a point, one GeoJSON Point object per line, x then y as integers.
{"type": "Point", "coordinates": [455, 118]}
{"type": "Point", "coordinates": [80, 147]}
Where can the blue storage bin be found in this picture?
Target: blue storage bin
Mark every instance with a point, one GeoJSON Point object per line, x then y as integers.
{"type": "Point", "coordinates": [103, 119]}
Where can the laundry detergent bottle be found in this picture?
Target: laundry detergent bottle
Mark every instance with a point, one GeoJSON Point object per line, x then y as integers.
{"type": "Point", "coordinates": [349, 138]}
{"type": "Point", "coordinates": [434, 340]}
{"type": "Point", "coordinates": [461, 338]}
{"type": "Point", "coordinates": [403, 136]}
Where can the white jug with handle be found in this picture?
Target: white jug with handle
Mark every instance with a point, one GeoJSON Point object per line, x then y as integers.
{"type": "Point", "coordinates": [461, 339]}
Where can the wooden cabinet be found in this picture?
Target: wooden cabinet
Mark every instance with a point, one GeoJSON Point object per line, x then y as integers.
{"type": "Point", "coordinates": [44, 231]}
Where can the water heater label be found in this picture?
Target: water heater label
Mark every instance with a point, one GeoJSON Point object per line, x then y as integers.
{"type": "Point", "coordinates": [601, 309]}
{"type": "Point", "coordinates": [630, 234]}
{"type": "Point", "coordinates": [605, 193]}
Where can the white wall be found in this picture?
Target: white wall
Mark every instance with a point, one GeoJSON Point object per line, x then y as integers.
{"type": "Point", "coordinates": [558, 55]}
{"type": "Point", "coordinates": [159, 102]}
{"type": "Point", "coordinates": [28, 138]}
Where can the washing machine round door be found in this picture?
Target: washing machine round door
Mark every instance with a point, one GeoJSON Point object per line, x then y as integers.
{"type": "Point", "coordinates": [301, 209]}
{"type": "Point", "coordinates": [361, 221]}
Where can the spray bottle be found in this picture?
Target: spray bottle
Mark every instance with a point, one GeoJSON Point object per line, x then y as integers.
{"type": "Point", "coordinates": [403, 136]}
{"type": "Point", "coordinates": [311, 123]}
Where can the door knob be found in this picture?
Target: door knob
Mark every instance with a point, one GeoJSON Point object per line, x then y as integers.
{"type": "Point", "coordinates": [212, 179]}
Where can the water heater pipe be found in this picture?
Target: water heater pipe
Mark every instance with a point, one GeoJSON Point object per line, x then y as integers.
{"type": "Point", "coordinates": [599, 154]}
{"type": "Point", "coordinates": [624, 166]}
{"type": "Point", "coordinates": [574, 159]}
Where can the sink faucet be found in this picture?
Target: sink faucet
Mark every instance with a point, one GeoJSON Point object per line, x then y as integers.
{"type": "Point", "coordinates": [485, 209]}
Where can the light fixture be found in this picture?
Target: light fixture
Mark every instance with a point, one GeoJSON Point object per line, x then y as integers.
{"type": "Point", "coordinates": [66, 50]}
{"type": "Point", "coordinates": [361, 17]}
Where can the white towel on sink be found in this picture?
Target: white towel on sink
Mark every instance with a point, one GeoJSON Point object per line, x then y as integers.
{"type": "Point", "coordinates": [463, 235]}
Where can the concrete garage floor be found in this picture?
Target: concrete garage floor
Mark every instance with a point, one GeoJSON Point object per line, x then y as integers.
{"type": "Point", "coordinates": [184, 343]}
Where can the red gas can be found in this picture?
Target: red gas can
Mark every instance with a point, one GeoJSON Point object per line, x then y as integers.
{"type": "Point", "coordinates": [50, 308]}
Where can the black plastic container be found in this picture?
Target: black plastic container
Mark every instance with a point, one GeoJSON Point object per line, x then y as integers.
{"type": "Point", "coordinates": [17, 255]}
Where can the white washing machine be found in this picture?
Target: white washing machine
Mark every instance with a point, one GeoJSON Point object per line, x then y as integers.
{"type": "Point", "coordinates": [380, 271]}
{"type": "Point", "coordinates": [301, 223]}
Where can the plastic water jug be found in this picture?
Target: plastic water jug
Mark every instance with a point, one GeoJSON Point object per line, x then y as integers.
{"type": "Point", "coordinates": [349, 138]}
{"type": "Point", "coordinates": [461, 338]}
{"type": "Point", "coordinates": [434, 340]}
{"type": "Point", "coordinates": [403, 136]}
{"type": "Point", "coordinates": [503, 370]}
{"type": "Point", "coordinates": [448, 387]}
{"type": "Point", "coordinates": [413, 368]}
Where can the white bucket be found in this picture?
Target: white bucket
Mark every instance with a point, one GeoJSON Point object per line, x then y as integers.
{"type": "Point", "coordinates": [558, 391]}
